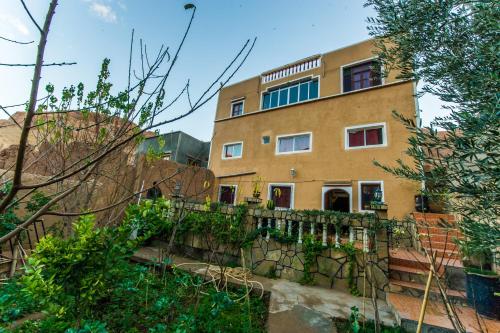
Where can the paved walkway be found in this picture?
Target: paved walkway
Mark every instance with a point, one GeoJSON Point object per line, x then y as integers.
{"type": "Point", "coordinates": [294, 307]}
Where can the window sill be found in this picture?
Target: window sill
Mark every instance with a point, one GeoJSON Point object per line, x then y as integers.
{"type": "Point", "coordinates": [366, 147]}
{"type": "Point", "coordinates": [231, 158]}
{"type": "Point", "coordinates": [293, 152]}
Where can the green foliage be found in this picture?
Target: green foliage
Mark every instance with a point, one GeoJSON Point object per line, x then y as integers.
{"type": "Point", "coordinates": [14, 302]}
{"type": "Point", "coordinates": [351, 251]}
{"type": "Point", "coordinates": [150, 217]}
{"type": "Point", "coordinates": [270, 205]}
{"type": "Point", "coordinates": [451, 46]}
{"type": "Point", "coordinates": [354, 325]}
{"type": "Point", "coordinates": [221, 228]}
{"type": "Point", "coordinates": [37, 201]}
{"type": "Point", "coordinates": [312, 249]}
{"type": "Point", "coordinates": [354, 319]}
{"type": "Point", "coordinates": [10, 218]}
{"type": "Point", "coordinates": [63, 273]}
{"type": "Point", "coordinates": [85, 283]}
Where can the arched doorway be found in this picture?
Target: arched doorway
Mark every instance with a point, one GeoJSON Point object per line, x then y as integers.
{"type": "Point", "coordinates": [338, 200]}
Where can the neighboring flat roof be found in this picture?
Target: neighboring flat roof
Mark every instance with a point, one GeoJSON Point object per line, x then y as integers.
{"type": "Point", "coordinates": [175, 132]}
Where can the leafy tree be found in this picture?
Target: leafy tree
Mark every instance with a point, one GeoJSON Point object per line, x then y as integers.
{"type": "Point", "coordinates": [88, 138]}
{"type": "Point", "coordinates": [452, 48]}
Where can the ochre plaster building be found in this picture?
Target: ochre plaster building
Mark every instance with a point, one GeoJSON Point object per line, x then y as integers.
{"type": "Point", "coordinates": [309, 132]}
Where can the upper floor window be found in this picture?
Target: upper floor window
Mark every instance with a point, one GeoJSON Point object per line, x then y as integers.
{"type": "Point", "coordinates": [232, 150]}
{"type": "Point", "coordinates": [297, 143]}
{"type": "Point", "coordinates": [366, 136]}
{"type": "Point", "coordinates": [290, 94]}
{"type": "Point", "coordinates": [237, 108]}
{"type": "Point", "coordinates": [361, 76]}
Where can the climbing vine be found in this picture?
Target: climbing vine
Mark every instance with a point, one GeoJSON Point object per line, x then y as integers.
{"type": "Point", "coordinates": [223, 225]}
{"type": "Point", "coordinates": [312, 248]}
{"type": "Point", "coordinates": [350, 251]}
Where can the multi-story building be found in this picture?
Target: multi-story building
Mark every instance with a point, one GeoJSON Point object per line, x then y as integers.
{"type": "Point", "coordinates": [179, 147]}
{"type": "Point", "coordinates": [309, 132]}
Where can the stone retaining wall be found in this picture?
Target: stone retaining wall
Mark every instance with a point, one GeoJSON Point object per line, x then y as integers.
{"type": "Point", "coordinates": [330, 269]}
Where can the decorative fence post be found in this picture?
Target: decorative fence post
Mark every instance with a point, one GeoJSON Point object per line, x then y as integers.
{"type": "Point", "coordinates": [289, 228]}
{"type": "Point", "coordinates": [301, 226]}
{"type": "Point", "coordinates": [351, 234]}
{"type": "Point", "coordinates": [365, 240]}
{"type": "Point", "coordinates": [267, 229]}
{"type": "Point", "coordinates": [312, 228]}
{"type": "Point", "coordinates": [324, 243]}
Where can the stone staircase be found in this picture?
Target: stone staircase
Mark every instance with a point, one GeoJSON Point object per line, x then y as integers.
{"type": "Point", "coordinates": [409, 270]}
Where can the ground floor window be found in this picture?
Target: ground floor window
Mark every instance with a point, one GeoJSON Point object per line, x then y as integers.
{"type": "Point", "coordinates": [281, 195]}
{"type": "Point", "coordinates": [227, 194]}
{"type": "Point", "coordinates": [367, 193]}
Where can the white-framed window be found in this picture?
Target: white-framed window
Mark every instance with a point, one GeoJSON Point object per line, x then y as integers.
{"type": "Point", "coordinates": [366, 136]}
{"type": "Point", "coordinates": [366, 193]}
{"type": "Point", "coordinates": [227, 194]}
{"type": "Point", "coordinates": [282, 194]}
{"type": "Point", "coordinates": [232, 150]}
{"type": "Point", "coordinates": [294, 143]}
{"type": "Point", "coordinates": [237, 108]}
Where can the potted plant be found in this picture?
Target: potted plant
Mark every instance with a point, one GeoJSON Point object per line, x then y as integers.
{"type": "Point", "coordinates": [256, 187]}
{"type": "Point", "coordinates": [270, 205]}
{"type": "Point", "coordinates": [482, 284]}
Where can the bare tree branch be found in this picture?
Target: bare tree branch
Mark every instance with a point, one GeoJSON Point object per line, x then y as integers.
{"type": "Point", "coordinates": [46, 65]}
{"type": "Point", "coordinates": [16, 182]}
{"type": "Point", "coordinates": [12, 118]}
{"type": "Point", "coordinates": [16, 41]}
{"type": "Point", "coordinates": [32, 18]}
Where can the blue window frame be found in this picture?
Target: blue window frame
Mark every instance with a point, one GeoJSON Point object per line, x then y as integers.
{"type": "Point", "coordinates": [304, 91]}
{"type": "Point", "coordinates": [313, 89]}
{"type": "Point", "coordinates": [294, 94]}
{"type": "Point", "coordinates": [291, 93]}
{"type": "Point", "coordinates": [274, 99]}
{"type": "Point", "coordinates": [266, 101]}
{"type": "Point", "coordinates": [283, 97]}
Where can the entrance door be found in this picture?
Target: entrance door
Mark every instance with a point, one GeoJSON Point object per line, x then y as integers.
{"type": "Point", "coordinates": [337, 199]}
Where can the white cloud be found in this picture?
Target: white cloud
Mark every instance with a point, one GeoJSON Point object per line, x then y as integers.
{"type": "Point", "coordinates": [15, 23]}
{"type": "Point", "coordinates": [105, 12]}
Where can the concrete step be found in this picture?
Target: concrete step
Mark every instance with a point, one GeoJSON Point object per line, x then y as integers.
{"type": "Point", "coordinates": [418, 290]}
{"type": "Point", "coordinates": [416, 259]}
{"type": "Point", "coordinates": [438, 231]}
{"type": "Point", "coordinates": [438, 237]}
{"type": "Point", "coordinates": [407, 310]}
{"type": "Point", "coordinates": [435, 245]}
{"type": "Point", "coordinates": [448, 257]}
{"type": "Point", "coordinates": [409, 274]}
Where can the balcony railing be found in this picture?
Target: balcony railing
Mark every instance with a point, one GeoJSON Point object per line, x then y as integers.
{"type": "Point", "coordinates": [291, 70]}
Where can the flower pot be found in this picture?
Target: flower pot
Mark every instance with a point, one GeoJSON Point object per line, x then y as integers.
{"type": "Point", "coordinates": [481, 289]}
{"type": "Point", "coordinates": [256, 194]}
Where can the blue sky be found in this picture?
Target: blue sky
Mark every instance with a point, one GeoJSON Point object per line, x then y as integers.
{"type": "Point", "coordinates": [87, 31]}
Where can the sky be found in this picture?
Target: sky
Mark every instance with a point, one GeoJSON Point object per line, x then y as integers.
{"type": "Point", "coordinates": [87, 31]}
